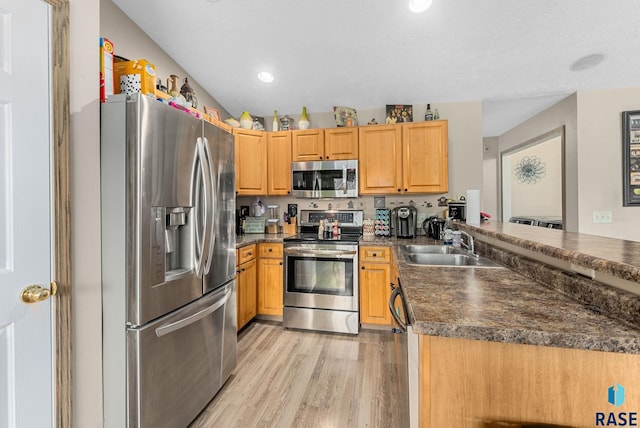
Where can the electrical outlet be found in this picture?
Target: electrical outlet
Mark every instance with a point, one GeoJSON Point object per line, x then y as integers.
{"type": "Point", "coordinates": [602, 217]}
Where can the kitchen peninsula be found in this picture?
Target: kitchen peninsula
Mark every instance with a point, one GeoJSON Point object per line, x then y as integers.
{"type": "Point", "coordinates": [510, 346]}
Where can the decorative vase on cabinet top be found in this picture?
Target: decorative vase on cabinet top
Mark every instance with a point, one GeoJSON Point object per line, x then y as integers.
{"type": "Point", "coordinates": [172, 84]}
{"type": "Point", "coordinates": [246, 121]}
{"type": "Point", "coordinates": [304, 123]}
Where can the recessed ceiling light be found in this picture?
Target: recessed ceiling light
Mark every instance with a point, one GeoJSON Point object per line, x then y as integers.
{"type": "Point", "coordinates": [587, 62]}
{"type": "Point", "coordinates": [419, 6]}
{"type": "Point", "coordinates": [265, 76]}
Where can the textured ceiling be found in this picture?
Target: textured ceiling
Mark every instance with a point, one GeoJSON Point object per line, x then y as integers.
{"type": "Point", "coordinates": [512, 55]}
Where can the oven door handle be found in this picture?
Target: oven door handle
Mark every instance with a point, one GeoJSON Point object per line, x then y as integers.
{"type": "Point", "coordinates": [305, 252]}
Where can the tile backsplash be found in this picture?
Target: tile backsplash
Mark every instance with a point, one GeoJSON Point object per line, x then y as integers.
{"type": "Point", "coordinates": [427, 205]}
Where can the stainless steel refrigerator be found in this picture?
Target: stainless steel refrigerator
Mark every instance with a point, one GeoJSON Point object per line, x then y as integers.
{"type": "Point", "coordinates": [168, 262]}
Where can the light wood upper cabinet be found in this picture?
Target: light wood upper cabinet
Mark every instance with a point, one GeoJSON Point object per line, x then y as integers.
{"type": "Point", "coordinates": [279, 163]}
{"type": "Point", "coordinates": [251, 162]}
{"type": "Point", "coordinates": [404, 158]}
{"type": "Point", "coordinates": [425, 157]}
{"type": "Point", "coordinates": [341, 143]}
{"type": "Point", "coordinates": [380, 159]}
{"type": "Point", "coordinates": [325, 144]}
{"type": "Point", "coordinates": [307, 145]}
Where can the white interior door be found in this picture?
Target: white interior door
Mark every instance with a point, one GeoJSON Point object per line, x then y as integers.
{"type": "Point", "coordinates": [26, 356]}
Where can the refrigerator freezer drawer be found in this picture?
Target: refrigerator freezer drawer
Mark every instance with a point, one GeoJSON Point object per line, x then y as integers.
{"type": "Point", "coordinates": [181, 360]}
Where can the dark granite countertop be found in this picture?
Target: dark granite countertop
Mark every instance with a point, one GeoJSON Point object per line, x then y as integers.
{"type": "Point", "coordinates": [499, 304]}
{"type": "Point", "coordinates": [617, 257]}
{"type": "Point", "coordinates": [256, 238]}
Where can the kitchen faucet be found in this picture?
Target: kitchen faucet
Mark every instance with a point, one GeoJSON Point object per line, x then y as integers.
{"type": "Point", "coordinates": [469, 244]}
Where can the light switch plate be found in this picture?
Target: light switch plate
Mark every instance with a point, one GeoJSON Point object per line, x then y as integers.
{"type": "Point", "coordinates": [379, 202]}
{"type": "Point", "coordinates": [602, 217]}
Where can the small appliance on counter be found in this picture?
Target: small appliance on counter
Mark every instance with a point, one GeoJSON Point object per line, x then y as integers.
{"type": "Point", "coordinates": [434, 227]}
{"type": "Point", "coordinates": [404, 220]}
{"type": "Point", "coordinates": [273, 219]}
{"type": "Point", "coordinates": [458, 210]}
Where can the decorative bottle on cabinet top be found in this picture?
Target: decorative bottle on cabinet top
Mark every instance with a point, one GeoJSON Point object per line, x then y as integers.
{"type": "Point", "coordinates": [304, 123]}
{"type": "Point", "coordinates": [428, 115]}
{"type": "Point", "coordinates": [274, 127]}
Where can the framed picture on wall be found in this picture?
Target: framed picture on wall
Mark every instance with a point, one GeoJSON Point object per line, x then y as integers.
{"type": "Point", "coordinates": [631, 158]}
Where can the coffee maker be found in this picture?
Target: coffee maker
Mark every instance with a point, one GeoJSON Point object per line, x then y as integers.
{"type": "Point", "coordinates": [404, 220]}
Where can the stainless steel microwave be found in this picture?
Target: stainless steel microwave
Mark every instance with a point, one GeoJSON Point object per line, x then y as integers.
{"type": "Point", "coordinates": [325, 179]}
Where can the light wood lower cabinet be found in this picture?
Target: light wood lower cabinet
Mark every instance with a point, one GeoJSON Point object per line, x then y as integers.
{"type": "Point", "coordinates": [246, 276]}
{"type": "Point", "coordinates": [270, 279]}
{"type": "Point", "coordinates": [375, 277]}
{"type": "Point", "coordinates": [472, 383]}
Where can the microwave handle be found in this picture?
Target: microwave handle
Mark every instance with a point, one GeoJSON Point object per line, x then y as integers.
{"type": "Point", "coordinates": [344, 179]}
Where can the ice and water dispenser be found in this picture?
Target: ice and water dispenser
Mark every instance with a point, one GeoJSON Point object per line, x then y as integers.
{"type": "Point", "coordinates": [171, 249]}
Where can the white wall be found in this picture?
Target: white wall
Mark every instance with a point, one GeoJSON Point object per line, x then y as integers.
{"type": "Point", "coordinates": [85, 214]}
{"type": "Point", "coordinates": [132, 43]}
{"type": "Point", "coordinates": [600, 161]}
{"type": "Point", "coordinates": [564, 113]}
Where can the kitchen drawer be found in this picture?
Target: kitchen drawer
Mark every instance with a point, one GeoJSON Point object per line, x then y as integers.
{"type": "Point", "coordinates": [375, 254]}
{"type": "Point", "coordinates": [245, 254]}
{"type": "Point", "coordinates": [270, 250]}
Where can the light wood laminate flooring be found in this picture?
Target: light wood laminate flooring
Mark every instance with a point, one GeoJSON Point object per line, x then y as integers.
{"type": "Point", "coordinates": [291, 378]}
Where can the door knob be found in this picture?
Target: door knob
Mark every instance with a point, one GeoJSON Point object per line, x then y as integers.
{"type": "Point", "coordinates": [37, 293]}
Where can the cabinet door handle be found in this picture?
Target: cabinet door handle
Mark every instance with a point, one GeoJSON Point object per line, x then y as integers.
{"type": "Point", "coordinates": [320, 157]}
{"type": "Point", "coordinates": [405, 190]}
{"type": "Point", "coordinates": [399, 190]}
{"type": "Point", "coordinates": [270, 250]}
{"type": "Point", "coordinates": [362, 268]}
{"type": "Point", "coordinates": [327, 157]}
{"type": "Point", "coordinates": [374, 254]}
{"type": "Point", "coordinates": [280, 263]}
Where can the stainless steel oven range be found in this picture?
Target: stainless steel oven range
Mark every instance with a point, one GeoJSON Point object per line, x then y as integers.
{"type": "Point", "coordinates": [321, 275]}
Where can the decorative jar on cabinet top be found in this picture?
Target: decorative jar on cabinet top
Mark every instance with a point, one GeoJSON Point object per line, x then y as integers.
{"type": "Point", "coordinates": [246, 121]}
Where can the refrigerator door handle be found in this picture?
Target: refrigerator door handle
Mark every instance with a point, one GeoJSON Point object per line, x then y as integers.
{"type": "Point", "coordinates": [177, 325]}
{"type": "Point", "coordinates": [202, 241]}
{"type": "Point", "coordinates": [211, 207]}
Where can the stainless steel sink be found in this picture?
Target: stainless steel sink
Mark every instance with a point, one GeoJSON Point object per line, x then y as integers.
{"type": "Point", "coordinates": [444, 255]}
{"type": "Point", "coordinates": [432, 249]}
